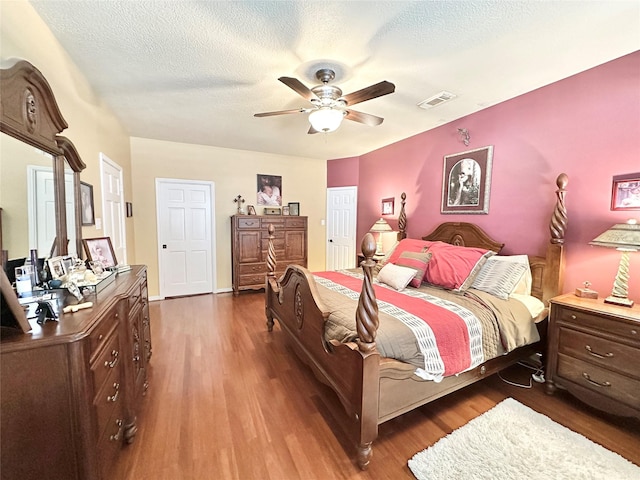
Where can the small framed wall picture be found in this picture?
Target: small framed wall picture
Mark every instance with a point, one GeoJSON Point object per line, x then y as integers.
{"type": "Point", "coordinates": [285, 210]}
{"type": "Point", "coordinates": [625, 192]}
{"type": "Point", "coordinates": [294, 208]}
{"type": "Point", "coordinates": [86, 202]}
{"type": "Point", "coordinates": [387, 206]}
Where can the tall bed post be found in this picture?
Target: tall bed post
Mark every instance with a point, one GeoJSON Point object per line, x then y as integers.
{"type": "Point", "coordinates": [271, 277]}
{"type": "Point", "coordinates": [554, 272]}
{"type": "Point", "coordinates": [402, 218]}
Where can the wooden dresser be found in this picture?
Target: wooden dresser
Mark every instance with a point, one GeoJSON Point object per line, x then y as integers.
{"type": "Point", "coordinates": [71, 390]}
{"type": "Point", "coordinates": [249, 243]}
{"type": "Point", "coordinates": [594, 353]}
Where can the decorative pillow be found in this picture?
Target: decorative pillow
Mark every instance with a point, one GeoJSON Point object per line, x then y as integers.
{"type": "Point", "coordinates": [499, 277]}
{"type": "Point", "coordinates": [418, 262]}
{"type": "Point", "coordinates": [394, 276]}
{"type": "Point", "coordinates": [453, 267]}
{"type": "Point", "coordinates": [409, 245]}
{"type": "Point", "coordinates": [524, 285]}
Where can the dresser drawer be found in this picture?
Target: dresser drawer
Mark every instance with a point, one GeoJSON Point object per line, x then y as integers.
{"type": "Point", "coordinates": [253, 268]}
{"type": "Point", "coordinates": [111, 441]}
{"type": "Point", "coordinates": [605, 324]}
{"type": "Point", "coordinates": [610, 384]}
{"type": "Point", "coordinates": [601, 351]}
{"type": "Point", "coordinates": [252, 280]}
{"type": "Point", "coordinates": [106, 362]}
{"type": "Point", "coordinates": [109, 396]}
{"type": "Point", "coordinates": [277, 222]}
{"type": "Point", "coordinates": [249, 222]}
{"type": "Point", "coordinates": [295, 222]}
{"type": "Point", "coordinates": [101, 332]}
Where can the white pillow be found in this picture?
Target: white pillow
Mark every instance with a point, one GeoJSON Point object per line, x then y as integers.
{"type": "Point", "coordinates": [395, 276]}
{"type": "Point", "coordinates": [536, 307]}
{"type": "Point", "coordinates": [500, 276]}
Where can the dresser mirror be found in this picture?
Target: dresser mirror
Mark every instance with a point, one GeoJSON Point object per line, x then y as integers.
{"type": "Point", "coordinates": [39, 169]}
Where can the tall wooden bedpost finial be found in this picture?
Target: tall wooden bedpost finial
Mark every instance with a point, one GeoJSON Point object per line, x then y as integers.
{"type": "Point", "coordinates": [271, 252]}
{"type": "Point", "coordinates": [558, 223]}
{"type": "Point", "coordinates": [402, 218]}
{"type": "Point", "coordinates": [367, 312]}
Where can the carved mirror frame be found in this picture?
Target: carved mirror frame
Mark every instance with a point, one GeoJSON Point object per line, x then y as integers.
{"type": "Point", "coordinates": [29, 112]}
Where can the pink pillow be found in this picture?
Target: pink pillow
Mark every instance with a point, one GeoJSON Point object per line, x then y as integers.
{"type": "Point", "coordinates": [454, 267]}
{"type": "Point", "coordinates": [417, 262]}
{"type": "Point", "coordinates": [408, 245]}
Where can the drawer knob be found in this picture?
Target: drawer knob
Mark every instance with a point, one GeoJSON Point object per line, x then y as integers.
{"type": "Point", "coordinates": [596, 354]}
{"type": "Point", "coordinates": [114, 397]}
{"type": "Point", "coordinates": [110, 364]}
{"type": "Point", "coordinates": [593, 382]}
{"type": "Point", "coordinates": [573, 317]}
{"type": "Point", "coordinates": [634, 332]}
{"type": "Point", "coordinates": [116, 437]}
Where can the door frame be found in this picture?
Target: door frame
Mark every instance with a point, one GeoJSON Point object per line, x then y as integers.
{"type": "Point", "coordinates": [355, 221]}
{"type": "Point", "coordinates": [123, 224]}
{"type": "Point", "coordinates": [161, 267]}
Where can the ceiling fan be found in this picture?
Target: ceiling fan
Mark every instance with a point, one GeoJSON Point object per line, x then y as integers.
{"type": "Point", "coordinates": [329, 105]}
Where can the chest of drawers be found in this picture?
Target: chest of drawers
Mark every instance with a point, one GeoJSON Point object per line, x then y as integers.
{"type": "Point", "coordinates": [71, 390]}
{"type": "Point", "coordinates": [594, 353]}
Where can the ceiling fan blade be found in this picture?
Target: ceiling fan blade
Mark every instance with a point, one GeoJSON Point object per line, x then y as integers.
{"type": "Point", "coordinates": [299, 87]}
{"type": "Point", "coordinates": [312, 130]}
{"type": "Point", "coordinates": [281, 112]}
{"type": "Point", "coordinates": [365, 118]}
{"type": "Point", "coordinates": [373, 91]}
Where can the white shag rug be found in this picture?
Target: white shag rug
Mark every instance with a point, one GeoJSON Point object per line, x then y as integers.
{"type": "Point", "coordinates": [512, 441]}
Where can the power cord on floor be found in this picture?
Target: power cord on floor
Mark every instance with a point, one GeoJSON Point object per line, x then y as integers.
{"type": "Point", "coordinates": [537, 376]}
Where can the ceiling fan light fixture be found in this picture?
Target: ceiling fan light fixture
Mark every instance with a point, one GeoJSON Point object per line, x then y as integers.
{"type": "Point", "coordinates": [326, 119]}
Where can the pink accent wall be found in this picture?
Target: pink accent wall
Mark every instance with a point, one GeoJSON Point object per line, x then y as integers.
{"type": "Point", "coordinates": [343, 172]}
{"type": "Point", "coordinates": [587, 126]}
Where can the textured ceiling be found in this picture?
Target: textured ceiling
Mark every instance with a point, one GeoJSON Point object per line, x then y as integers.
{"type": "Point", "coordinates": [196, 71]}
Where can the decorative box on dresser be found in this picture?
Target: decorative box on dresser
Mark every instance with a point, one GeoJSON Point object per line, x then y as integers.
{"type": "Point", "coordinates": [71, 390]}
{"type": "Point", "coordinates": [594, 353]}
{"type": "Point", "coordinates": [250, 241]}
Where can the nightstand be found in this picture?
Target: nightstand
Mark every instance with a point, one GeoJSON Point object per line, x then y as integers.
{"type": "Point", "coordinates": [594, 353]}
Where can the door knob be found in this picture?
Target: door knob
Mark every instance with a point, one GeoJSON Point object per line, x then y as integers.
{"type": "Point", "coordinates": [164, 246]}
{"type": "Point", "coordinates": [331, 240]}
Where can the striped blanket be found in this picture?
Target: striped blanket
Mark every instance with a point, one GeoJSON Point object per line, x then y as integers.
{"type": "Point", "coordinates": [439, 332]}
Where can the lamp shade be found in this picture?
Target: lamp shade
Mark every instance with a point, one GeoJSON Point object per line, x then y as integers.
{"type": "Point", "coordinates": [326, 119]}
{"type": "Point", "coordinates": [622, 236]}
{"type": "Point", "coordinates": [381, 226]}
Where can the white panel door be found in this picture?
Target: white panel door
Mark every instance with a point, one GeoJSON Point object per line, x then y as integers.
{"type": "Point", "coordinates": [185, 236]}
{"type": "Point", "coordinates": [113, 207]}
{"type": "Point", "coordinates": [42, 213]}
{"type": "Point", "coordinates": [341, 227]}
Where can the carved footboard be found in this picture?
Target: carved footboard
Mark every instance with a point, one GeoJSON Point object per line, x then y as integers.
{"type": "Point", "coordinates": [351, 370]}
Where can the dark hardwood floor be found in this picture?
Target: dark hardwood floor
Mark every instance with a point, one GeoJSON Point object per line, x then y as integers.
{"type": "Point", "coordinates": [228, 401]}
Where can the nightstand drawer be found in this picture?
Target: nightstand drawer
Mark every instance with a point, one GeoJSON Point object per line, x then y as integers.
{"type": "Point", "coordinates": [600, 380]}
{"type": "Point", "coordinates": [603, 352]}
{"type": "Point", "coordinates": [600, 322]}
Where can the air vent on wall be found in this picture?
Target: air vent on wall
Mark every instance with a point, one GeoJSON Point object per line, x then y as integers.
{"type": "Point", "coordinates": [436, 100]}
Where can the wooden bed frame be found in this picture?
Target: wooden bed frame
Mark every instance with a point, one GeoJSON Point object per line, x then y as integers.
{"type": "Point", "coordinates": [371, 388]}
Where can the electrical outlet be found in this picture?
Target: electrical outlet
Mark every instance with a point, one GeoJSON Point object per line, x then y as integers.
{"type": "Point", "coordinates": [98, 224]}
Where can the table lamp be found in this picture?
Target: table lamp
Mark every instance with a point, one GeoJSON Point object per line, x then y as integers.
{"type": "Point", "coordinates": [379, 227]}
{"type": "Point", "coordinates": [624, 237]}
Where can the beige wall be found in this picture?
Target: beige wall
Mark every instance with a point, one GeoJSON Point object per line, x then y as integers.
{"type": "Point", "coordinates": [94, 129]}
{"type": "Point", "coordinates": [233, 173]}
{"type": "Point", "coordinates": [92, 126]}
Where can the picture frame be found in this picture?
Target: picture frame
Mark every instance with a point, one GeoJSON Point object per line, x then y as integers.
{"type": "Point", "coordinates": [100, 249]}
{"type": "Point", "coordinates": [251, 210]}
{"type": "Point", "coordinates": [625, 192]}
{"type": "Point", "coordinates": [466, 181]}
{"type": "Point", "coordinates": [285, 210]}
{"type": "Point", "coordinates": [269, 190]}
{"type": "Point", "coordinates": [14, 316]}
{"type": "Point", "coordinates": [387, 206]}
{"type": "Point", "coordinates": [57, 267]}
{"type": "Point", "coordinates": [294, 208]}
{"type": "Point", "coordinates": [86, 202]}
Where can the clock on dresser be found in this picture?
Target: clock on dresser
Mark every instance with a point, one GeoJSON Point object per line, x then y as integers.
{"type": "Point", "coordinates": [594, 353]}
